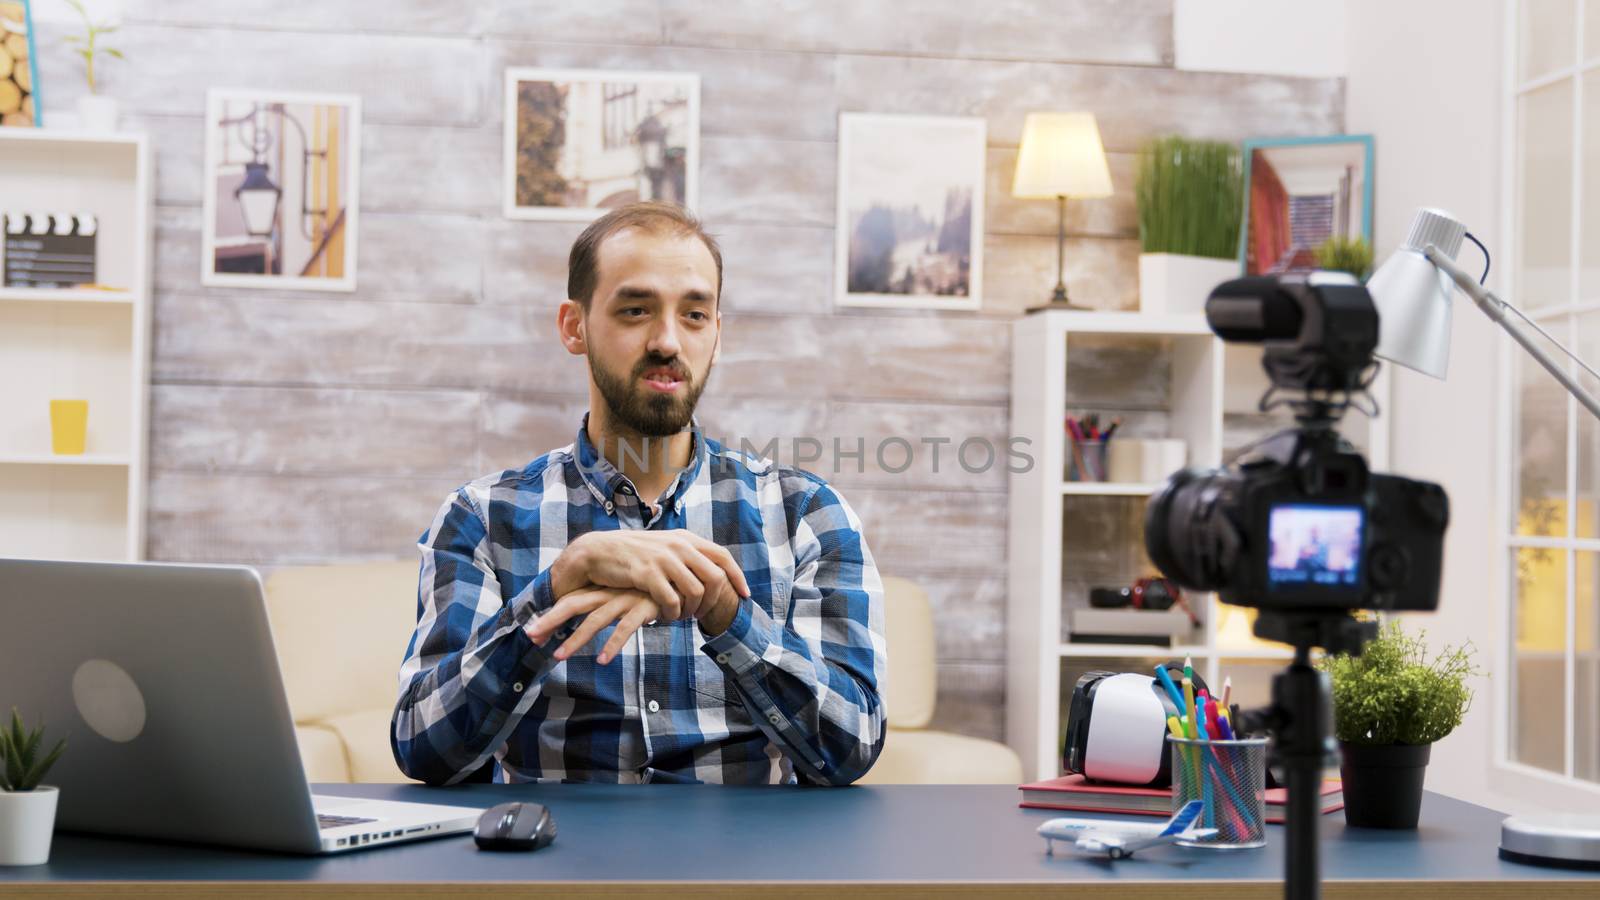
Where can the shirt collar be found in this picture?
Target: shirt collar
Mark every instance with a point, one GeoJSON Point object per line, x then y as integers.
{"type": "Point", "coordinates": [604, 479]}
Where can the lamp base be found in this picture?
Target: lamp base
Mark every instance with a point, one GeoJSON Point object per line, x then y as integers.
{"type": "Point", "coordinates": [1061, 302]}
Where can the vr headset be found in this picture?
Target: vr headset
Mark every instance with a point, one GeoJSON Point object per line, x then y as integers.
{"type": "Point", "coordinates": [1117, 727]}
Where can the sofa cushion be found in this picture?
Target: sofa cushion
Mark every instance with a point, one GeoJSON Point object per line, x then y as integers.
{"type": "Point", "coordinates": [366, 744]}
{"type": "Point", "coordinates": [322, 754]}
{"type": "Point", "coordinates": [341, 632]}
{"type": "Point", "coordinates": [940, 757]}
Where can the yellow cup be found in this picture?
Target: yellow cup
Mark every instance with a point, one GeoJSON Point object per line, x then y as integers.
{"type": "Point", "coordinates": [69, 426]}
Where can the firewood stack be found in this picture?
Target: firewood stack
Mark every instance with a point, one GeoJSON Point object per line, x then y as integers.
{"type": "Point", "coordinates": [16, 74]}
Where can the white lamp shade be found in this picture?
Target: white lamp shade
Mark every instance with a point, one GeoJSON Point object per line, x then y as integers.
{"type": "Point", "coordinates": [1413, 296]}
{"type": "Point", "coordinates": [1413, 300]}
{"type": "Point", "coordinates": [1061, 156]}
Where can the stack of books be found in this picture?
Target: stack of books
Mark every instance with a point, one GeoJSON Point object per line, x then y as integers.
{"type": "Point", "coordinates": [1075, 792]}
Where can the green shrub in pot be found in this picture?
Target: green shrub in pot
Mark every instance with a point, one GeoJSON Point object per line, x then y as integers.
{"type": "Point", "coordinates": [1390, 704]}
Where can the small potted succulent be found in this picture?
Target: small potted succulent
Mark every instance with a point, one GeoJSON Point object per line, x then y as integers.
{"type": "Point", "coordinates": [1390, 705]}
{"type": "Point", "coordinates": [27, 809]}
{"type": "Point", "coordinates": [1191, 203]}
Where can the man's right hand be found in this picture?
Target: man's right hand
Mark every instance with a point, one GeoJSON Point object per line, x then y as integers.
{"type": "Point", "coordinates": [681, 571]}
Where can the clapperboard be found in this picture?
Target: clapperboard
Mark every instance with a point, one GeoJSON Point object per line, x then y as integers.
{"type": "Point", "coordinates": [49, 250]}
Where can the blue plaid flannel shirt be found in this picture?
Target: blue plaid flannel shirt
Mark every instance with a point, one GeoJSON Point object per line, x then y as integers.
{"type": "Point", "coordinates": [791, 692]}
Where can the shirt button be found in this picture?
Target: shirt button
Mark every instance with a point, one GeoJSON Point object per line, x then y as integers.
{"type": "Point", "coordinates": [653, 706]}
{"type": "Point", "coordinates": [680, 506]}
{"type": "Point", "coordinates": [517, 687]}
{"type": "Point", "coordinates": [610, 507]}
{"type": "Point", "coordinates": [722, 658]}
{"type": "Point", "coordinates": [775, 719]}
{"type": "Point", "coordinates": [627, 490]}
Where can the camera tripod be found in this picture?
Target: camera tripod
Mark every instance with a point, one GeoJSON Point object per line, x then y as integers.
{"type": "Point", "coordinates": [1300, 722]}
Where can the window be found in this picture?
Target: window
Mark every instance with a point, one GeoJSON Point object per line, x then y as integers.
{"type": "Point", "coordinates": [1552, 527]}
{"type": "Point", "coordinates": [621, 116]}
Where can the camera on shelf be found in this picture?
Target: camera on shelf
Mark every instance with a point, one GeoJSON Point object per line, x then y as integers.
{"type": "Point", "coordinates": [1298, 522]}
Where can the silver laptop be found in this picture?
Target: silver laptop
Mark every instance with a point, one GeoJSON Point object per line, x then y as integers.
{"type": "Point", "coordinates": [164, 681]}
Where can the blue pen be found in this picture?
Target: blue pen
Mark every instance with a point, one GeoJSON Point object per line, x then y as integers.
{"type": "Point", "coordinates": [1172, 689]}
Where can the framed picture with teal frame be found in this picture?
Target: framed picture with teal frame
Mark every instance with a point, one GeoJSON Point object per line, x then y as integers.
{"type": "Point", "coordinates": [19, 67]}
{"type": "Point", "coordinates": [1299, 194]}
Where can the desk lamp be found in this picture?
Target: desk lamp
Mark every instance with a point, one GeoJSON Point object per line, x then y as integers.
{"type": "Point", "coordinates": [1061, 157]}
{"type": "Point", "coordinates": [1412, 293]}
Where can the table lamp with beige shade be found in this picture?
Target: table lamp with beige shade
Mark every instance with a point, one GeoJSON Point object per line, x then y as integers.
{"type": "Point", "coordinates": [1061, 157]}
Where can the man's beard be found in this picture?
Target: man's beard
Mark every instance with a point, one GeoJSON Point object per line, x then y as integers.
{"type": "Point", "coordinates": [646, 412]}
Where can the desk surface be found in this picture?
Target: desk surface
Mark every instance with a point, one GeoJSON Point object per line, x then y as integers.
{"type": "Point", "coordinates": [719, 840]}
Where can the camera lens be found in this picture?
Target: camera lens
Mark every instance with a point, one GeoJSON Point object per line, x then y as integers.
{"type": "Point", "coordinates": [1185, 537]}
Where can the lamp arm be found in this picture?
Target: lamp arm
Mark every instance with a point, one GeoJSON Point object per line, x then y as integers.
{"type": "Point", "coordinates": [1496, 310]}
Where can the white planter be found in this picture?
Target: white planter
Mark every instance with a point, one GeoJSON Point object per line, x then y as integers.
{"type": "Point", "coordinates": [1172, 284]}
{"type": "Point", "coordinates": [27, 819]}
{"type": "Point", "coordinates": [97, 113]}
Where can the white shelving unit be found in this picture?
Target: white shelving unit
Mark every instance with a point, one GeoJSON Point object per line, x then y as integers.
{"type": "Point", "coordinates": [77, 344]}
{"type": "Point", "coordinates": [1210, 383]}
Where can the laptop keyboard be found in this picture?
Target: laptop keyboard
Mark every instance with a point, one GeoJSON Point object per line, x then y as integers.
{"type": "Point", "coordinates": [326, 821]}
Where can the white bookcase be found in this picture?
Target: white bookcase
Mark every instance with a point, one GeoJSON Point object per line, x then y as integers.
{"type": "Point", "coordinates": [77, 344]}
{"type": "Point", "coordinates": [1205, 393]}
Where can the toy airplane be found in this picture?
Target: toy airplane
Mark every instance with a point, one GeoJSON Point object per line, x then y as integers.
{"type": "Point", "coordinates": [1120, 839]}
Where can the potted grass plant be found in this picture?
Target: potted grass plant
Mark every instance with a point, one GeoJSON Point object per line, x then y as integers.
{"type": "Point", "coordinates": [1191, 202]}
{"type": "Point", "coordinates": [1340, 254]}
{"type": "Point", "coordinates": [27, 808]}
{"type": "Point", "coordinates": [1390, 705]}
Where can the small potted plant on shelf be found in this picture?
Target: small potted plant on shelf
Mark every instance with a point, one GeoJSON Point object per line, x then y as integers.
{"type": "Point", "coordinates": [96, 111]}
{"type": "Point", "coordinates": [1353, 255]}
{"type": "Point", "coordinates": [27, 809]}
{"type": "Point", "coordinates": [1390, 705]}
{"type": "Point", "coordinates": [1191, 203]}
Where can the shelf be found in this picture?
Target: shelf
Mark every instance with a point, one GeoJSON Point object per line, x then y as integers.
{"type": "Point", "coordinates": [1222, 652]}
{"type": "Point", "coordinates": [1128, 323]}
{"type": "Point", "coordinates": [67, 136]}
{"type": "Point", "coordinates": [1130, 651]}
{"type": "Point", "coordinates": [1107, 489]}
{"type": "Point", "coordinates": [67, 295]}
{"type": "Point", "coordinates": [51, 459]}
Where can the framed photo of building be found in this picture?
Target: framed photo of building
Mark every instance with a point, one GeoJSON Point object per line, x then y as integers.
{"type": "Point", "coordinates": [910, 217]}
{"type": "Point", "coordinates": [581, 141]}
{"type": "Point", "coordinates": [1302, 193]}
{"type": "Point", "coordinates": [282, 190]}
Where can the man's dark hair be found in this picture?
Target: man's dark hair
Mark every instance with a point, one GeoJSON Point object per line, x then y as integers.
{"type": "Point", "coordinates": [583, 265]}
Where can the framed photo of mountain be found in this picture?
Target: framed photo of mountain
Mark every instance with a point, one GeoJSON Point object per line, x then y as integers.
{"type": "Point", "coordinates": [910, 215]}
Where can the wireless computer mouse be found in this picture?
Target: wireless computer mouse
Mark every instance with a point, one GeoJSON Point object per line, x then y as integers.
{"type": "Point", "coordinates": [515, 826]}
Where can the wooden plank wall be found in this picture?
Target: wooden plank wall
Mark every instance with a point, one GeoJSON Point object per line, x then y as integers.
{"type": "Point", "coordinates": [306, 427]}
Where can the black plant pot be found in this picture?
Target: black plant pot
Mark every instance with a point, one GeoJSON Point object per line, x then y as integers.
{"type": "Point", "coordinates": [1383, 784]}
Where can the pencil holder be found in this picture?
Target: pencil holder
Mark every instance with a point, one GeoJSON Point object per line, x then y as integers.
{"type": "Point", "coordinates": [1230, 777]}
{"type": "Point", "coordinates": [1086, 460]}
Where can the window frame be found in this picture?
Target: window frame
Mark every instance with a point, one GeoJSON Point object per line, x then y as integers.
{"type": "Point", "coordinates": [1509, 360]}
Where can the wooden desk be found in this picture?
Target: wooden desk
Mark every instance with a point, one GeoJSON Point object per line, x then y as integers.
{"type": "Point", "coordinates": [901, 841]}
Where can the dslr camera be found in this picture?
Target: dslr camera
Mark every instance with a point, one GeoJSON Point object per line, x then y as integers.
{"type": "Point", "coordinates": [1298, 523]}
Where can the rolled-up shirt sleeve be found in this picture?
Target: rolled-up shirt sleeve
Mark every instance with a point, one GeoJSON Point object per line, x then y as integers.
{"type": "Point", "coordinates": [814, 683]}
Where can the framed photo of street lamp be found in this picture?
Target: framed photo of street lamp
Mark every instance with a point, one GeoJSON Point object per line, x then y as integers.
{"type": "Point", "coordinates": [579, 142]}
{"type": "Point", "coordinates": [910, 215]}
{"type": "Point", "coordinates": [282, 190]}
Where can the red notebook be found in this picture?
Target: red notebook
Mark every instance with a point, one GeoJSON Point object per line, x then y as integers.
{"type": "Point", "coordinates": [1074, 792]}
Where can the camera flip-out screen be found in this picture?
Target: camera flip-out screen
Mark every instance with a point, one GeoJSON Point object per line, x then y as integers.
{"type": "Point", "coordinates": [1315, 546]}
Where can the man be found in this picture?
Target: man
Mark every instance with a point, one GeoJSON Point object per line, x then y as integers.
{"type": "Point", "coordinates": [644, 604]}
